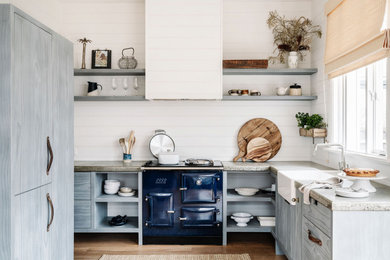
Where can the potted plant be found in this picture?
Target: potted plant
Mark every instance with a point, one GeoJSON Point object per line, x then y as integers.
{"type": "Point", "coordinates": [292, 37]}
{"type": "Point", "coordinates": [311, 125]}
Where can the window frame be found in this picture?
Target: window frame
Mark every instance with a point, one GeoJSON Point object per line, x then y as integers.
{"type": "Point", "coordinates": [339, 135]}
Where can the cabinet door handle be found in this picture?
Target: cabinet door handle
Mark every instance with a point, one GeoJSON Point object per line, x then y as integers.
{"type": "Point", "coordinates": [51, 156]}
{"type": "Point", "coordinates": [182, 219]}
{"type": "Point", "coordinates": [314, 239]}
{"type": "Point", "coordinates": [51, 210]}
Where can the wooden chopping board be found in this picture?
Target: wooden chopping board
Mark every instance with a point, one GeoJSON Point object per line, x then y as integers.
{"type": "Point", "coordinates": [258, 127]}
{"type": "Point", "coordinates": [258, 150]}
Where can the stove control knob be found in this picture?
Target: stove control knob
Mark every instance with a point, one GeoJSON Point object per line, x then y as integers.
{"type": "Point", "coordinates": [198, 182]}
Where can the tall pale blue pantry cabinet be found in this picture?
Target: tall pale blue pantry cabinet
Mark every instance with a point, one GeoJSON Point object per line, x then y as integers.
{"type": "Point", "coordinates": [36, 139]}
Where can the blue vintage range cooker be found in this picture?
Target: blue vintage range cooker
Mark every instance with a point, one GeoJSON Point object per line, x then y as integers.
{"type": "Point", "coordinates": [182, 201]}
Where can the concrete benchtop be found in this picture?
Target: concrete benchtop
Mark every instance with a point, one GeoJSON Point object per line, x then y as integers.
{"type": "Point", "coordinates": [119, 166]}
{"type": "Point", "coordinates": [378, 201]}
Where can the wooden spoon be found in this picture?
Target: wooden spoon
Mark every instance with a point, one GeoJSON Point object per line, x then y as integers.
{"type": "Point", "coordinates": [123, 145]}
{"type": "Point", "coordinates": [130, 138]}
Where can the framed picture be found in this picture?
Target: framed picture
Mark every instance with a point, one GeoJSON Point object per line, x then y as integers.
{"type": "Point", "coordinates": [101, 59]}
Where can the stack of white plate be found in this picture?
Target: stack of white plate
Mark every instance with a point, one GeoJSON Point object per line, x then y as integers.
{"type": "Point", "coordinates": [111, 186]}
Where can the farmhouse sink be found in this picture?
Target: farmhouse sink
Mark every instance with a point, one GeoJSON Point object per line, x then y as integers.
{"type": "Point", "coordinates": [286, 181]}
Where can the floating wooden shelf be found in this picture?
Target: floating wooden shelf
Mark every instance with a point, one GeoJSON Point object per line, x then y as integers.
{"type": "Point", "coordinates": [109, 72]}
{"type": "Point", "coordinates": [309, 71]}
{"type": "Point", "coordinates": [269, 98]}
{"type": "Point", "coordinates": [141, 72]}
{"type": "Point", "coordinates": [225, 98]}
{"type": "Point", "coordinates": [109, 98]}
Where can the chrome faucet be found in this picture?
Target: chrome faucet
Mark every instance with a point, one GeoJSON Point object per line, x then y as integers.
{"type": "Point", "coordinates": [342, 164]}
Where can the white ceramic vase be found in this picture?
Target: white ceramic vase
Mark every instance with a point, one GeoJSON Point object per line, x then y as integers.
{"type": "Point", "coordinates": [293, 60]}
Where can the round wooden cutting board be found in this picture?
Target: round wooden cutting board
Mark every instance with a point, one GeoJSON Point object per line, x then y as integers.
{"type": "Point", "coordinates": [258, 150]}
{"type": "Point", "coordinates": [258, 127]}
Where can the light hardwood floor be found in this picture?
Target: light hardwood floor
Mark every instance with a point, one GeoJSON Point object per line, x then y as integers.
{"type": "Point", "coordinates": [93, 246]}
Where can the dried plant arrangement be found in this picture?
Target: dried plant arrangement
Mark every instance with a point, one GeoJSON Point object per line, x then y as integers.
{"type": "Point", "coordinates": [291, 35]}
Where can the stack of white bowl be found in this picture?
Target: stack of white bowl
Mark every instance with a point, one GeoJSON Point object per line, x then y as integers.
{"type": "Point", "coordinates": [111, 186]}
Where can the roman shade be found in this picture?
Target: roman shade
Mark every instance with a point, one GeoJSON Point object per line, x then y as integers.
{"type": "Point", "coordinates": [355, 34]}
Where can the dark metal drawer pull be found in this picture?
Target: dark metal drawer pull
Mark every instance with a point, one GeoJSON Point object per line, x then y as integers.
{"type": "Point", "coordinates": [51, 156]}
{"type": "Point", "coordinates": [313, 239]}
{"type": "Point", "coordinates": [52, 211]}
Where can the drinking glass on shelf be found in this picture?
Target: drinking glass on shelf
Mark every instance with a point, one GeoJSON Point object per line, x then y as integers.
{"type": "Point", "coordinates": [114, 85]}
{"type": "Point", "coordinates": [125, 85]}
{"type": "Point", "coordinates": [135, 85]}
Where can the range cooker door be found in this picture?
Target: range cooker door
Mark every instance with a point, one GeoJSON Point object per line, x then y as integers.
{"type": "Point", "coordinates": [161, 210]}
{"type": "Point", "coordinates": [199, 187]}
{"type": "Point", "coordinates": [199, 217]}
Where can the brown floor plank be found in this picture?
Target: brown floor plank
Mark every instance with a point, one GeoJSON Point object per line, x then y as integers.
{"type": "Point", "coordinates": [93, 246]}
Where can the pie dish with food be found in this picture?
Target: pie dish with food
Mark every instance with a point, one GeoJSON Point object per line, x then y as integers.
{"type": "Point", "coordinates": [361, 172]}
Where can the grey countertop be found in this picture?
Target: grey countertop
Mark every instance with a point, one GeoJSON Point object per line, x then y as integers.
{"type": "Point", "coordinates": [378, 201]}
{"type": "Point", "coordinates": [120, 166]}
{"type": "Point", "coordinates": [107, 166]}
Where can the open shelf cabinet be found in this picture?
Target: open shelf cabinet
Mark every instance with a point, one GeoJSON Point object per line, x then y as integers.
{"type": "Point", "coordinates": [261, 204]}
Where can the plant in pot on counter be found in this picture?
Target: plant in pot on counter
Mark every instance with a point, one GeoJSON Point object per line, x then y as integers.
{"type": "Point", "coordinates": [311, 125]}
{"type": "Point", "coordinates": [292, 37]}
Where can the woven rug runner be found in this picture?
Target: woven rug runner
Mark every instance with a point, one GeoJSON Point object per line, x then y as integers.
{"type": "Point", "coordinates": [177, 257]}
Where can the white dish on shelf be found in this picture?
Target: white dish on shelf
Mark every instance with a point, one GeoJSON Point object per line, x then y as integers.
{"type": "Point", "coordinates": [350, 193]}
{"type": "Point", "coordinates": [125, 189]}
{"type": "Point", "coordinates": [241, 218]}
{"type": "Point", "coordinates": [112, 182]}
{"type": "Point", "coordinates": [266, 221]}
{"type": "Point", "coordinates": [246, 191]}
{"type": "Point", "coordinates": [110, 192]}
{"type": "Point", "coordinates": [126, 194]}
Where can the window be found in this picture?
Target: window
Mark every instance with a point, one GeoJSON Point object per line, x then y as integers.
{"type": "Point", "coordinates": [359, 109]}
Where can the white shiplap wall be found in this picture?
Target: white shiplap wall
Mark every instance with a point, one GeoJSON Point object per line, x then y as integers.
{"type": "Point", "coordinates": [183, 49]}
{"type": "Point", "coordinates": [200, 128]}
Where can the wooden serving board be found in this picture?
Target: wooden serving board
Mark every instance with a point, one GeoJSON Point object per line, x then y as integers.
{"type": "Point", "coordinates": [245, 64]}
{"type": "Point", "coordinates": [258, 150]}
{"type": "Point", "coordinates": [258, 127]}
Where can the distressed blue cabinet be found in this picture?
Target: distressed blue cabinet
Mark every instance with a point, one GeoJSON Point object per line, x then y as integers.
{"type": "Point", "coordinates": [36, 139]}
{"type": "Point", "coordinates": [288, 226]}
